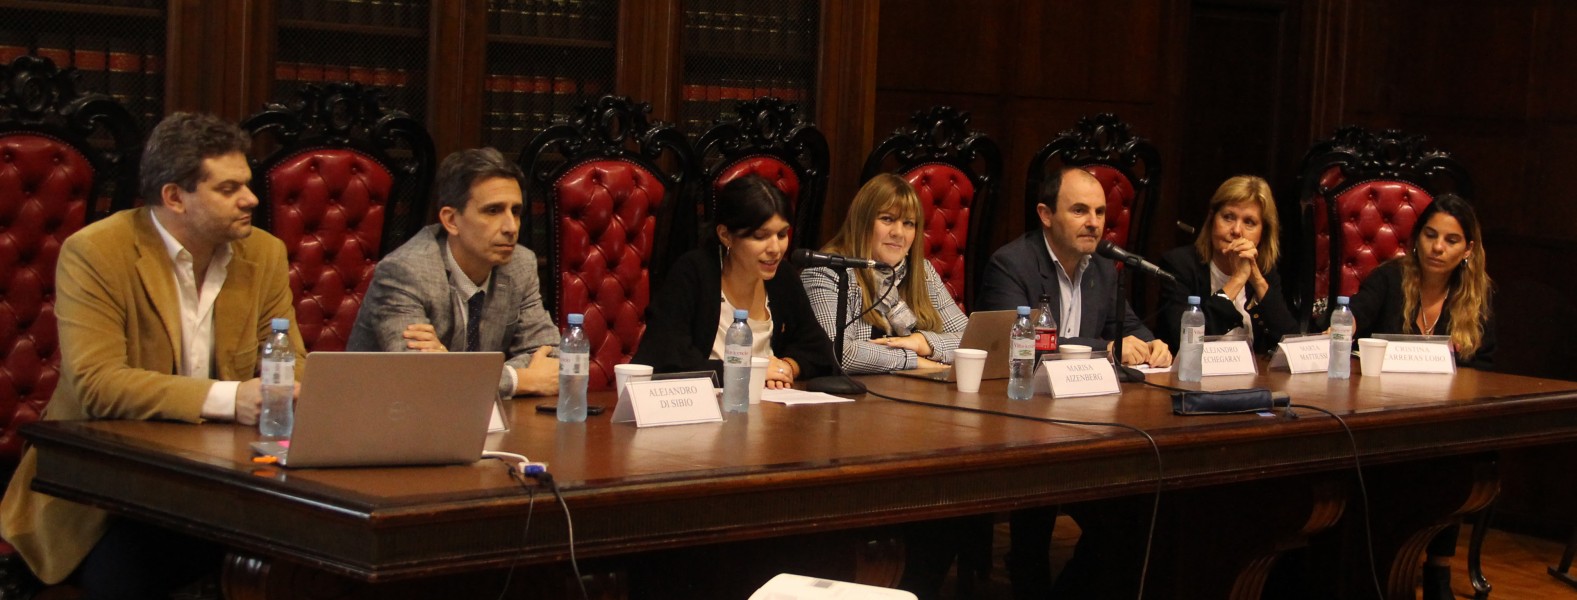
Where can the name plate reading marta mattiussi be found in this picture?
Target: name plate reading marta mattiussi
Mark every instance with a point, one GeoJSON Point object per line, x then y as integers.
{"type": "Point", "coordinates": [1419, 357]}
{"type": "Point", "coordinates": [668, 402]}
{"type": "Point", "coordinates": [1228, 358]}
{"type": "Point", "coordinates": [1071, 378]}
{"type": "Point", "coordinates": [1306, 354]}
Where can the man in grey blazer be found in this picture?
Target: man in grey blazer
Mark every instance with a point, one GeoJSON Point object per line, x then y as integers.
{"type": "Point", "coordinates": [464, 283]}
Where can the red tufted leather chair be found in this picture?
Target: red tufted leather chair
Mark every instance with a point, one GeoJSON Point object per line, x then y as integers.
{"type": "Point", "coordinates": [609, 207]}
{"type": "Point", "coordinates": [954, 171]}
{"type": "Point", "coordinates": [769, 139]}
{"type": "Point", "coordinates": [1361, 193]}
{"type": "Point", "coordinates": [1128, 167]}
{"type": "Point", "coordinates": [333, 191]}
{"type": "Point", "coordinates": [53, 181]}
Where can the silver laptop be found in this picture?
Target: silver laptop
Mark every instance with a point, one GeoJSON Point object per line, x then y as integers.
{"type": "Point", "coordinates": [988, 330]}
{"type": "Point", "coordinates": [391, 408]}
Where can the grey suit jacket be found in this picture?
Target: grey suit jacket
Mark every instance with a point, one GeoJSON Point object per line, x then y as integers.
{"type": "Point", "coordinates": [411, 285]}
{"type": "Point", "coordinates": [1022, 270]}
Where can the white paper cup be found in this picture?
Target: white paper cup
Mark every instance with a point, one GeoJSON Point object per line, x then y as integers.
{"type": "Point", "coordinates": [630, 372]}
{"type": "Point", "coordinates": [1073, 351]}
{"type": "Point", "coordinates": [1371, 355]}
{"type": "Point", "coordinates": [968, 365]}
{"type": "Point", "coordinates": [758, 377]}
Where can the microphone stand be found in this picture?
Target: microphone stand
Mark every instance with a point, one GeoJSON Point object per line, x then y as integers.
{"type": "Point", "coordinates": [1125, 373]}
{"type": "Point", "coordinates": [840, 384]}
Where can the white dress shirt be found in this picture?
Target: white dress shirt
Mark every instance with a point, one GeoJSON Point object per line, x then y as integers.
{"type": "Point", "coordinates": [1071, 293]}
{"type": "Point", "coordinates": [197, 320]}
{"type": "Point", "coordinates": [463, 290]}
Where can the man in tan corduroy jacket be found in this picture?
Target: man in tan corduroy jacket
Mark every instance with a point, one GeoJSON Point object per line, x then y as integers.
{"type": "Point", "coordinates": [161, 312]}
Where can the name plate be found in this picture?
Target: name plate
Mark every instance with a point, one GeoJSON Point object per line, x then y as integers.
{"type": "Point", "coordinates": [1419, 357]}
{"type": "Point", "coordinates": [1227, 358]}
{"type": "Point", "coordinates": [1071, 378]}
{"type": "Point", "coordinates": [1308, 354]}
{"type": "Point", "coordinates": [668, 402]}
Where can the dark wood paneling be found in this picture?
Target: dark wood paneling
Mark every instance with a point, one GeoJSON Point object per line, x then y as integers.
{"type": "Point", "coordinates": [943, 45]}
{"type": "Point", "coordinates": [1048, 65]}
{"type": "Point", "coordinates": [1107, 50]}
{"type": "Point", "coordinates": [847, 99]}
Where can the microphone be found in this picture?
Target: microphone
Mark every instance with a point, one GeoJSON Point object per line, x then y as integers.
{"type": "Point", "coordinates": [1109, 250]}
{"type": "Point", "coordinates": [804, 258]}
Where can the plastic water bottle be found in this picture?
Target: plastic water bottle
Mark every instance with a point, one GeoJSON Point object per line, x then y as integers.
{"type": "Point", "coordinates": [278, 366]}
{"type": "Point", "coordinates": [736, 364]}
{"type": "Point", "coordinates": [1191, 350]}
{"type": "Point", "coordinates": [574, 371]}
{"type": "Point", "coordinates": [1342, 327]}
{"type": "Point", "coordinates": [1021, 358]}
{"type": "Point", "coordinates": [1045, 330]}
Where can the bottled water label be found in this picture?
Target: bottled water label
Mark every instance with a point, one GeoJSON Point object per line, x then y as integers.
{"type": "Point", "coordinates": [736, 356]}
{"type": "Point", "coordinates": [1341, 333]}
{"type": "Point", "coordinates": [1023, 349]}
{"type": "Point", "coordinates": [278, 372]}
{"type": "Point", "coordinates": [1193, 335]}
{"type": "Point", "coordinates": [573, 364]}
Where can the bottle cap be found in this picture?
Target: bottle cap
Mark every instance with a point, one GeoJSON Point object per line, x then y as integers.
{"type": "Point", "coordinates": [741, 314]}
{"type": "Point", "coordinates": [1023, 311]}
{"type": "Point", "coordinates": [281, 324]}
{"type": "Point", "coordinates": [1342, 300]}
{"type": "Point", "coordinates": [576, 318]}
{"type": "Point", "coordinates": [1194, 300]}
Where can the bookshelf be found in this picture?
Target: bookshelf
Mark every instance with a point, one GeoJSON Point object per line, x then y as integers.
{"type": "Point", "coordinates": [117, 47]}
{"type": "Point", "coordinates": [378, 43]}
{"type": "Point", "coordinates": [543, 58]}
{"type": "Point", "coordinates": [737, 50]}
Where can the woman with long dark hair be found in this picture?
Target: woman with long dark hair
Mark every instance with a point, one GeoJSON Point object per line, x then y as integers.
{"type": "Point", "coordinates": [741, 264]}
{"type": "Point", "coordinates": [1439, 288]}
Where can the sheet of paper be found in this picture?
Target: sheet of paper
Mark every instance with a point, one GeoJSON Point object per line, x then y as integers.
{"type": "Point", "coordinates": [791, 397]}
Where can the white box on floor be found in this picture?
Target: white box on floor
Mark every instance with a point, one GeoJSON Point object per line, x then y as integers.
{"type": "Point", "coordinates": [798, 587]}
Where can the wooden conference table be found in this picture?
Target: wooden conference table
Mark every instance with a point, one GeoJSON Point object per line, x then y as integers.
{"type": "Point", "coordinates": [1239, 488]}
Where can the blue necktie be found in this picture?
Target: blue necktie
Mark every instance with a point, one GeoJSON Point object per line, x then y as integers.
{"type": "Point", "coordinates": [473, 322]}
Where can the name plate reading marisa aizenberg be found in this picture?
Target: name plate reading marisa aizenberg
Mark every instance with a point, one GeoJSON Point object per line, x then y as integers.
{"type": "Point", "coordinates": [1074, 377]}
{"type": "Point", "coordinates": [1307, 354]}
{"type": "Point", "coordinates": [668, 402]}
{"type": "Point", "coordinates": [1227, 358]}
{"type": "Point", "coordinates": [1419, 357]}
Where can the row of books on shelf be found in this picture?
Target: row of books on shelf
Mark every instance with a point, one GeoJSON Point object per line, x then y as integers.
{"type": "Point", "coordinates": [395, 82]}
{"type": "Point", "coordinates": [704, 103]}
{"type": "Point", "coordinates": [133, 78]}
{"type": "Point", "coordinates": [127, 3]}
{"type": "Point", "coordinates": [518, 106]}
{"type": "Point", "coordinates": [376, 13]}
{"type": "Point", "coordinates": [719, 26]}
{"type": "Point", "coordinates": [572, 19]}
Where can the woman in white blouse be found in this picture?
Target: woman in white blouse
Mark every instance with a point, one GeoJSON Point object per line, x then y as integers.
{"type": "Point", "coordinates": [903, 318]}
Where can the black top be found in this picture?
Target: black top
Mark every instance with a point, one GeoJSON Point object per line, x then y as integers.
{"type": "Point", "coordinates": [1378, 309]}
{"type": "Point", "coordinates": [681, 321]}
{"type": "Point", "coordinates": [1021, 271]}
{"type": "Point", "coordinates": [1269, 315]}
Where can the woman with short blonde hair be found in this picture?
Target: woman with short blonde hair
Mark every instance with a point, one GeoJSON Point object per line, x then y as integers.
{"type": "Point", "coordinates": [1231, 266]}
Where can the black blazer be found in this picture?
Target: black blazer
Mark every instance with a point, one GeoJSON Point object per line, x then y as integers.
{"type": "Point", "coordinates": [1022, 270]}
{"type": "Point", "coordinates": [1269, 315]}
{"type": "Point", "coordinates": [1378, 309]}
{"type": "Point", "coordinates": [681, 321]}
